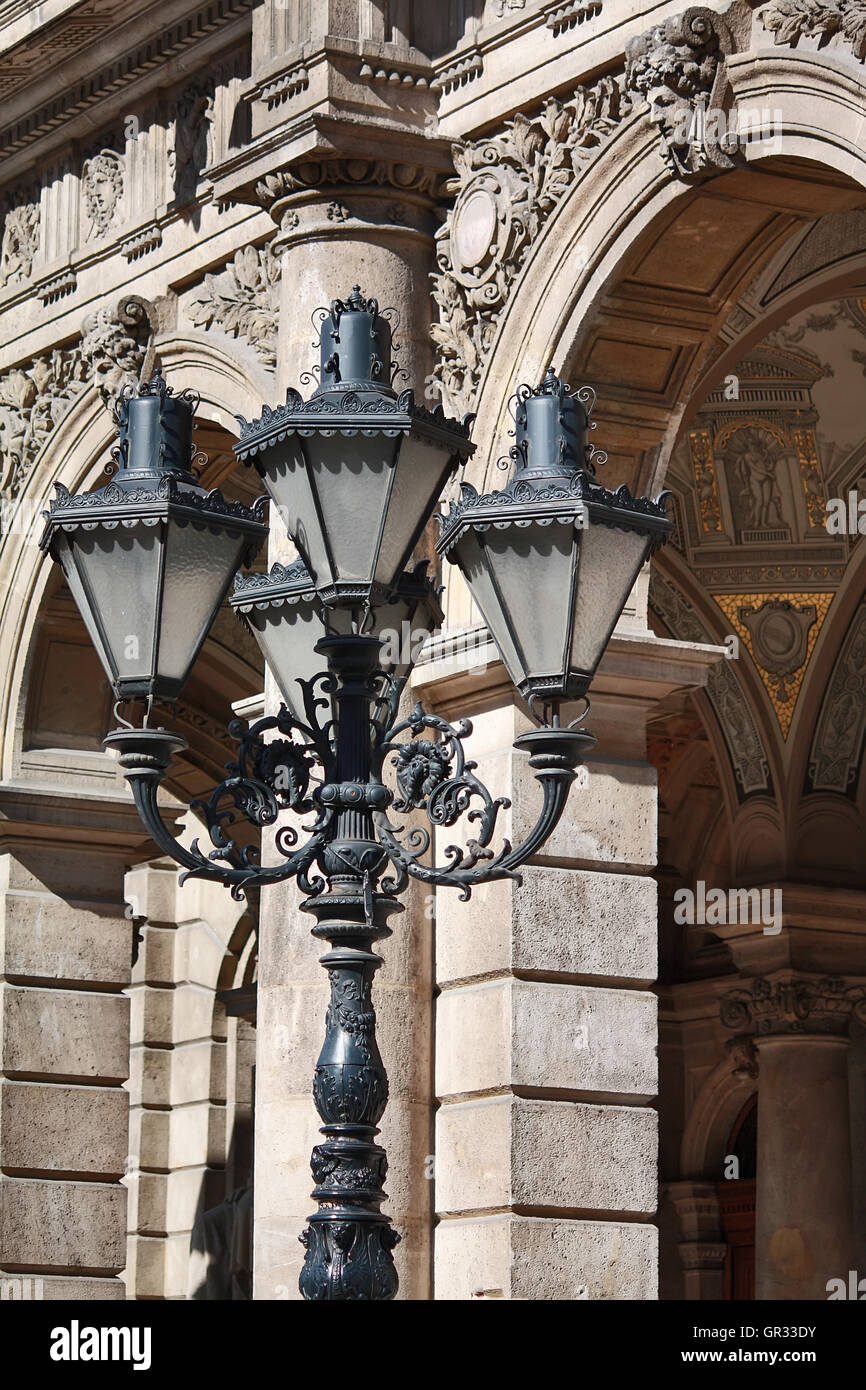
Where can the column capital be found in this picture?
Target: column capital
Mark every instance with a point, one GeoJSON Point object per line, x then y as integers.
{"type": "Point", "coordinates": [792, 1005]}
{"type": "Point", "coordinates": [333, 194]}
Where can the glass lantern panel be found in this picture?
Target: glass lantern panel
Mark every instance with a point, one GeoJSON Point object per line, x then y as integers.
{"type": "Point", "coordinates": [422, 470]}
{"type": "Point", "coordinates": [200, 564]}
{"type": "Point", "coordinates": [471, 558]}
{"type": "Point", "coordinates": [352, 477]}
{"type": "Point", "coordinates": [119, 572]}
{"type": "Point", "coordinates": [288, 483]}
{"type": "Point", "coordinates": [609, 562]}
{"type": "Point", "coordinates": [66, 555]}
{"type": "Point", "coordinates": [287, 634]}
{"type": "Point", "coordinates": [532, 568]}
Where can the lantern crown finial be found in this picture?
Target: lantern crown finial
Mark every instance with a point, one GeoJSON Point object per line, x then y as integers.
{"type": "Point", "coordinates": [355, 346]}
{"type": "Point", "coordinates": [550, 425]}
{"type": "Point", "coordinates": [155, 428]}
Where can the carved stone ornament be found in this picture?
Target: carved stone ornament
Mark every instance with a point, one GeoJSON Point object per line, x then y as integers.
{"type": "Point", "coordinates": [794, 1005]}
{"type": "Point", "coordinates": [102, 182]}
{"type": "Point", "coordinates": [243, 301]}
{"type": "Point", "coordinates": [192, 140]}
{"type": "Point", "coordinates": [743, 1057]}
{"type": "Point", "coordinates": [33, 400]}
{"type": "Point", "coordinates": [837, 748]}
{"type": "Point", "coordinates": [678, 67]}
{"type": "Point", "coordinates": [116, 345]}
{"type": "Point", "coordinates": [20, 242]}
{"type": "Point", "coordinates": [791, 20]}
{"type": "Point", "coordinates": [506, 188]}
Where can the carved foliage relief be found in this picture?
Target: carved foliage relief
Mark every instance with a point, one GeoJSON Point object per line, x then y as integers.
{"type": "Point", "coordinates": [506, 188]}
{"type": "Point", "coordinates": [243, 301]}
{"type": "Point", "coordinates": [789, 21]}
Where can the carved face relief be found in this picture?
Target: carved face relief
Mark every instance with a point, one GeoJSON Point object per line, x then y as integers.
{"type": "Point", "coordinates": [103, 186]}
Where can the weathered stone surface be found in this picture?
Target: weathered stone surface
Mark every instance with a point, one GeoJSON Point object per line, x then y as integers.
{"type": "Point", "coordinates": [42, 939]}
{"type": "Point", "coordinates": [62, 1033]}
{"type": "Point", "coordinates": [71, 1129]}
{"type": "Point", "coordinates": [555, 1036]}
{"type": "Point", "coordinates": [506, 1151]}
{"type": "Point", "coordinates": [543, 1259]}
{"type": "Point", "coordinates": [574, 922]}
{"type": "Point", "coordinates": [62, 1225]}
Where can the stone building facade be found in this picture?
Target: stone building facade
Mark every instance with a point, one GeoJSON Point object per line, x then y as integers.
{"type": "Point", "coordinates": [603, 1086]}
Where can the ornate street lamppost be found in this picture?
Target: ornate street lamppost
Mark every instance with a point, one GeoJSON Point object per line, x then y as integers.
{"type": "Point", "coordinates": [357, 470]}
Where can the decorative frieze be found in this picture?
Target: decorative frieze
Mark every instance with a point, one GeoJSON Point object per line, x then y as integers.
{"type": "Point", "coordinates": [281, 89]}
{"type": "Point", "coordinates": [243, 301]}
{"type": "Point", "coordinates": [458, 72]}
{"type": "Point", "coordinates": [57, 286]}
{"type": "Point", "coordinates": [116, 346]}
{"type": "Point", "coordinates": [789, 21]}
{"type": "Point", "coordinates": [506, 188]}
{"type": "Point", "coordinates": [191, 148]}
{"type": "Point", "coordinates": [678, 68]}
{"type": "Point", "coordinates": [561, 17]}
{"type": "Point", "coordinates": [142, 241]}
{"type": "Point", "coordinates": [794, 1005]}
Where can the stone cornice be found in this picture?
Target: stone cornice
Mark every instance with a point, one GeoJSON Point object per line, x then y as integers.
{"type": "Point", "coordinates": [53, 121]}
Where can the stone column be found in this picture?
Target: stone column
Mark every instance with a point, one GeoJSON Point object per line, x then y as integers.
{"type": "Point", "coordinates": [546, 1164]}
{"type": "Point", "coordinates": [804, 1214]}
{"type": "Point", "coordinates": [344, 222]}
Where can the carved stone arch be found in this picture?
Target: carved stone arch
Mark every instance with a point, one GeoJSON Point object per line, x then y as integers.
{"type": "Point", "coordinates": [823, 673]}
{"type": "Point", "coordinates": [701, 621]}
{"type": "Point", "coordinates": [714, 1112]}
{"type": "Point", "coordinates": [625, 192]}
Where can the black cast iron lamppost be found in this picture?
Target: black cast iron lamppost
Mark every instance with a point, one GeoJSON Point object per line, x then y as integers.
{"type": "Point", "coordinates": [357, 469]}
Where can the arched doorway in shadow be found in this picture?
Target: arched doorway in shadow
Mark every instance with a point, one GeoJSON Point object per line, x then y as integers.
{"type": "Point", "coordinates": [737, 1205]}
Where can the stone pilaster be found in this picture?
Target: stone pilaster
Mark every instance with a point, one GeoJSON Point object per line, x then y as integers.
{"type": "Point", "coordinates": [180, 1125]}
{"type": "Point", "coordinates": [702, 1249]}
{"type": "Point", "coordinates": [64, 1030]}
{"type": "Point", "coordinates": [545, 1166]}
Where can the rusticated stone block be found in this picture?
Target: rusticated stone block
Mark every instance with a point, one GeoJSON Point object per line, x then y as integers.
{"type": "Point", "coordinates": [70, 1129]}
{"type": "Point", "coordinates": [544, 1259]}
{"type": "Point", "coordinates": [511, 1032]}
{"type": "Point", "coordinates": [64, 1033]}
{"type": "Point", "coordinates": [506, 1151]}
{"type": "Point", "coordinates": [62, 1225]}
{"type": "Point", "coordinates": [568, 921]}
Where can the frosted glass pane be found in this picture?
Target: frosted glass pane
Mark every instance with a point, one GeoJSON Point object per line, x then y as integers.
{"type": "Point", "coordinates": [288, 483]}
{"type": "Point", "coordinates": [352, 476]}
{"type": "Point", "coordinates": [120, 570]}
{"type": "Point", "coordinates": [421, 473]}
{"type": "Point", "coordinates": [200, 565]}
{"type": "Point", "coordinates": [287, 636]}
{"type": "Point", "coordinates": [532, 569]}
{"type": "Point", "coordinates": [608, 564]}
{"type": "Point", "coordinates": [82, 603]}
{"type": "Point", "coordinates": [471, 560]}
